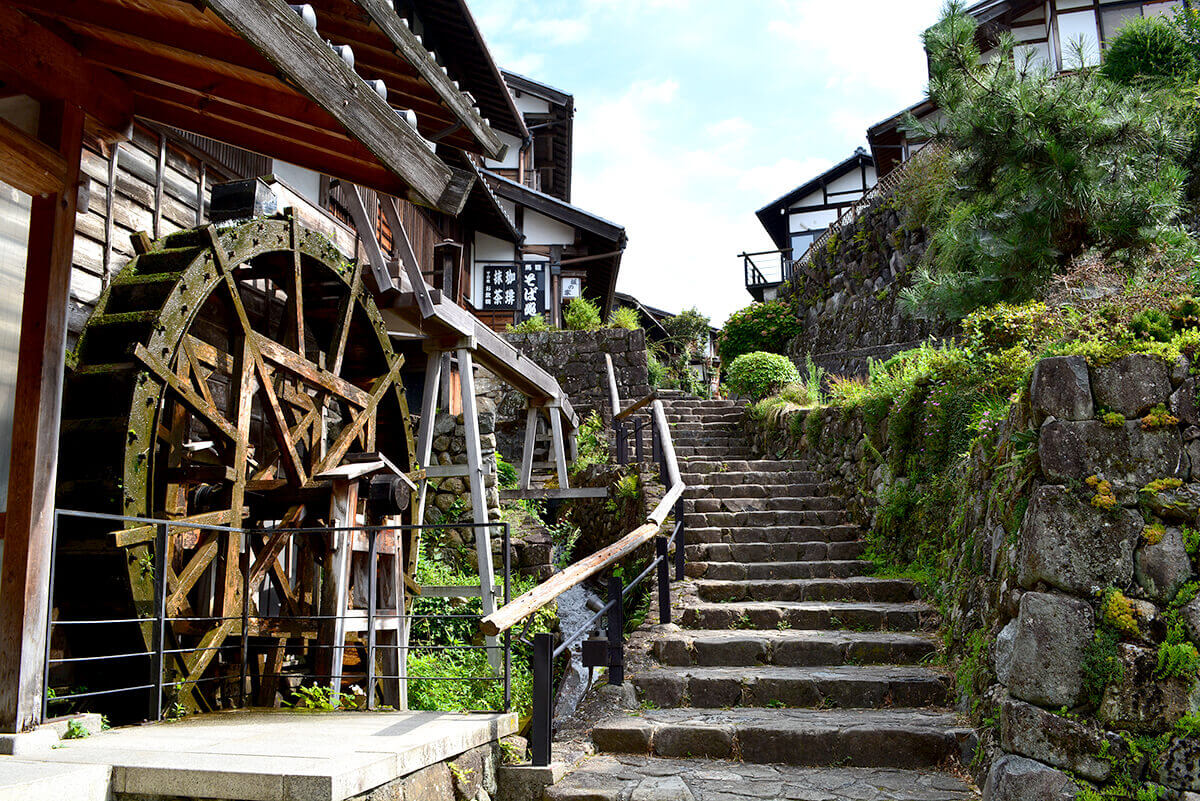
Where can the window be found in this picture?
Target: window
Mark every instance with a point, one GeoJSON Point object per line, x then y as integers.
{"type": "Point", "coordinates": [801, 242]}
{"type": "Point", "coordinates": [1078, 29]}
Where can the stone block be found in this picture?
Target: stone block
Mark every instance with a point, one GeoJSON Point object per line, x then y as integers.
{"type": "Point", "coordinates": [1141, 702]}
{"type": "Point", "coordinates": [1016, 778]}
{"type": "Point", "coordinates": [1183, 402]}
{"type": "Point", "coordinates": [1039, 654]}
{"type": "Point", "coordinates": [1061, 388]}
{"type": "Point", "coordinates": [1160, 570]}
{"type": "Point", "coordinates": [1053, 739]}
{"type": "Point", "coordinates": [687, 741]}
{"type": "Point", "coordinates": [434, 781]}
{"type": "Point", "coordinates": [1191, 619]}
{"type": "Point", "coordinates": [1128, 456]}
{"type": "Point", "coordinates": [1179, 767]}
{"type": "Point", "coordinates": [1132, 384]}
{"type": "Point", "coordinates": [1074, 546]}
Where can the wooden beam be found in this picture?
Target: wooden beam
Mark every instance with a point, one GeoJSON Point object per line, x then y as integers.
{"type": "Point", "coordinates": [560, 447]}
{"type": "Point", "coordinates": [193, 399]}
{"type": "Point", "coordinates": [346, 437]}
{"type": "Point", "coordinates": [531, 419]}
{"type": "Point", "coordinates": [370, 241]}
{"type": "Point", "coordinates": [300, 55]}
{"type": "Point", "coordinates": [412, 50]}
{"type": "Point", "coordinates": [47, 66]}
{"type": "Point", "coordinates": [614, 397]}
{"type": "Point", "coordinates": [41, 361]}
{"type": "Point", "coordinates": [408, 259]}
{"type": "Point", "coordinates": [292, 362]}
{"type": "Point", "coordinates": [28, 164]}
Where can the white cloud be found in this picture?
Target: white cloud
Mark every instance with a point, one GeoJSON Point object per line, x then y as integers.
{"type": "Point", "coordinates": [555, 31]}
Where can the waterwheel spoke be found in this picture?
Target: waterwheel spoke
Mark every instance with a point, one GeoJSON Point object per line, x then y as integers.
{"type": "Point", "coordinates": [189, 396]}
{"type": "Point", "coordinates": [345, 316]}
{"type": "Point", "coordinates": [350, 432]}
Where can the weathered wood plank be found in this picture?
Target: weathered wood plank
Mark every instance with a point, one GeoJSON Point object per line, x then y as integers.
{"type": "Point", "coordinates": [28, 164]}
{"type": "Point", "coordinates": [189, 395]}
{"type": "Point", "coordinates": [300, 55]}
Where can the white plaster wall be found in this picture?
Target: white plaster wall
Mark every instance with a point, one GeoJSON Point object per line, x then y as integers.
{"type": "Point", "coordinates": [541, 230]}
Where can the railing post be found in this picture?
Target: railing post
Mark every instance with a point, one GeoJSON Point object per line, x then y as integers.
{"type": "Point", "coordinates": [372, 610]}
{"type": "Point", "coordinates": [506, 543]}
{"type": "Point", "coordinates": [160, 619]}
{"type": "Point", "coordinates": [680, 541]}
{"type": "Point", "coordinates": [244, 559]}
{"type": "Point", "coordinates": [637, 433]}
{"type": "Point", "coordinates": [543, 676]}
{"type": "Point", "coordinates": [664, 580]}
{"type": "Point", "coordinates": [616, 632]}
{"type": "Point", "coordinates": [619, 428]}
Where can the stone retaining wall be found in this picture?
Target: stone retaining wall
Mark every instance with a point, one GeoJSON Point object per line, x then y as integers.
{"type": "Point", "coordinates": [848, 290]}
{"type": "Point", "coordinates": [1107, 501]}
{"type": "Point", "coordinates": [576, 360]}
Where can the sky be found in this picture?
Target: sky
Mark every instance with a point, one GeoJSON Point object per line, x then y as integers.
{"type": "Point", "coordinates": [693, 114]}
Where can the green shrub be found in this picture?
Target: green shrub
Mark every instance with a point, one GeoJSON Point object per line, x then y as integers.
{"type": "Point", "coordinates": [656, 370]}
{"type": "Point", "coordinates": [592, 441]}
{"type": "Point", "coordinates": [581, 315]}
{"type": "Point", "coordinates": [1148, 48]}
{"type": "Point", "coordinates": [1152, 324]}
{"type": "Point", "coordinates": [760, 374]}
{"type": "Point", "coordinates": [625, 317]}
{"type": "Point", "coordinates": [628, 488]}
{"type": "Point", "coordinates": [506, 473]}
{"type": "Point", "coordinates": [766, 327]}
{"type": "Point", "coordinates": [530, 325]}
{"type": "Point", "coordinates": [688, 329]}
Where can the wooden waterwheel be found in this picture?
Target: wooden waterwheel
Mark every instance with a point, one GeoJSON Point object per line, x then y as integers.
{"type": "Point", "coordinates": [222, 374]}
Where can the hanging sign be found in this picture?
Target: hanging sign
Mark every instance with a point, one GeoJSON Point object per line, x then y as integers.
{"type": "Point", "coordinates": [533, 288]}
{"type": "Point", "coordinates": [501, 289]}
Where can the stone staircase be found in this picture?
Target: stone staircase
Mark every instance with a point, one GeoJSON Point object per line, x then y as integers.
{"type": "Point", "coordinates": [792, 673]}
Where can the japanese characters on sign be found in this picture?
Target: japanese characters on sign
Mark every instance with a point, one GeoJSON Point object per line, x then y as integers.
{"type": "Point", "coordinates": [515, 287]}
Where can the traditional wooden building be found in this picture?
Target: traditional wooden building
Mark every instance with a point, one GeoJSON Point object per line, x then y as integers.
{"type": "Point", "coordinates": [795, 220]}
{"type": "Point", "coordinates": [336, 145]}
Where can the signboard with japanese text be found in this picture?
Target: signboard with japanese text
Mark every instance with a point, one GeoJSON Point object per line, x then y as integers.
{"type": "Point", "coordinates": [533, 289]}
{"type": "Point", "coordinates": [501, 287]}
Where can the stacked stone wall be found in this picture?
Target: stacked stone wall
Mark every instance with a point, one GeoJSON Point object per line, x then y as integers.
{"type": "Point", "coordinates": [847, 294]}
{"type": "Point", "coordinates": [1106, 506]}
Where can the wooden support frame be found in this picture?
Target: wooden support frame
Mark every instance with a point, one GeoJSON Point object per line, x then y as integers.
{"type": "Point", "coordinates": [479, 510]}
{"type": "Point", "coordinates": [29, 521]}
{"type": "Point", "coordinates": [560, 449]}
{"type": "Point", "coordinates": [370, 241]}
{"type": "Point", "coordinates": [408, 259]}
{"type": "Point", "coordinates": [531, 421]}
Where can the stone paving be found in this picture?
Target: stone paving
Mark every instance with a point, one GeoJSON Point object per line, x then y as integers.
{"type": "Point", "coordinates": [791, 672]}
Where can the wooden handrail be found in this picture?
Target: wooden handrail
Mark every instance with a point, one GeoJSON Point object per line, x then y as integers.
{"type": "Point", "coordinates": [614, 397]}
{"type": "Point", "coordinates": [646, 401]}
{"type": "Point", "coordinates": [525, 605]}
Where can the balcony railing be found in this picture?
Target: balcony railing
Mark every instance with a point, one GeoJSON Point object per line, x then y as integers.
{"type": "Point", "coordinates": [766, 269]}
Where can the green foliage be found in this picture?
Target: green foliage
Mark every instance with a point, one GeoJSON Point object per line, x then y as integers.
{"type": "Point", "coordinates": [760, 374]}
{"type": "Point", "coordinates": [530, 325]}
{"type": "Point", "coordinates": [1102, 664]}
{"type": "Point", "coordinates": [656, 370]}
{"type": "Point", "coordinates": [1148, 49]}
{"type": "Point", "coordinates": [1045, 167]}
{"type": "Point", "coordinates": [506, 474]}
{"type": "Point", "coordinates": [1191, 541]}
{"type": "Point", "coordinates": [581, 314]}
{"type": "Point", "coordinates": [592, 441]}
{"type": "Point", "coordinates": [76, 730]}
{"type": "Point", "coordinates": [1177, 660]}
{"type": "Point", "coordinates": [320, 699]}
{"type": "Point", "coordinates": [1152, 324]}
{"type": "Point", "coordinates": [758, 327]}
{"type": "Point", "coordinates": [1113, 419]}
{"type": "Point", "coordinates": [688, 329]}
{"type": "Point", "coordinates": [628, 488]}
{"type": "Point", "coordinates": [625, 317]}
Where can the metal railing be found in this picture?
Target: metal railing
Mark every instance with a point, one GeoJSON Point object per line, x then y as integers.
{"type": "Point", "coordinates": [767, 268]}
{"type": "Point", "coordinates": [609, 651]}
{"type": "Point", "coordinates": [164, 678]}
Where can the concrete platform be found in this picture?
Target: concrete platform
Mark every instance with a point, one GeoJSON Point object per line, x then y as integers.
{"type": "Point", "coordinates": [266, 755]}
{"type": "Point", "coordinates": [25, 780]}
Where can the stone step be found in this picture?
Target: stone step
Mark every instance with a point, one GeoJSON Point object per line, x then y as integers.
{"type": "Point", "coordinates": [704, 489]}
{"type": "Point", "coordinates": [861, 588]}
{"type": "Point", "coordinates": [776, 503]}
{"type": "Point", "coordinates": [841, 615]}
{"type": "Point", "coordinates": [702, 403]}
{"type": "Point", "coordinates": [737, 571]}
{"type": "Point", "coordinates": [790, 647]}
{"type": "Point", "coordinates": [765, 519]}
{"type": "Point", "coordinates": [839, 686]}
{"type": "Point", "coordinates": [812, 551]}
{"type": "Point", "coordinates": [842, 532]}
{"type": "Point", "coordinates": [772, 481]}
{"type": "Point", "coordinates": [705, 452]}
{"type": "Point", "coordinates": [697, 438]}
{"type": "Point", "coordinates": [610, 777]}
{"type": "Point", "coordinates": [894, 738]}
{"type": "Point", "coordinates": [751, 465]}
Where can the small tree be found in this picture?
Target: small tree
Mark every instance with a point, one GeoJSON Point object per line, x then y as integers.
{"type": "Point", "coordinates": [760, 374]}
{"type": "Point", "coordinates": [760, 326]}
{"type": "Point", "coordinates": [1045, 166]}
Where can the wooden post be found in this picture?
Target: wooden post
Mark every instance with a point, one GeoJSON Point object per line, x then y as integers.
{"type": "Point", "coordinates": [343, 512]}
{"type": "Point", "coordinates": [429, 407]}
{"type": "Point", "coordinates": [479, 510]}
{"type": "Point", "coordinates": [531, 420]}
{"type": "Point", "coordinates": [560, 450]}
{"type": "Point", "coordinates": [29, 523]}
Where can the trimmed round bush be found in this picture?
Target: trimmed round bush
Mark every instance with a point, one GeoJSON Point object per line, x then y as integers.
{"type": "Point", "coordinates": [1148, 48]}
{"type": "Point", "coordinates": [758, 327]}
{"type": "Point", "coordinates": [760, 374]}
